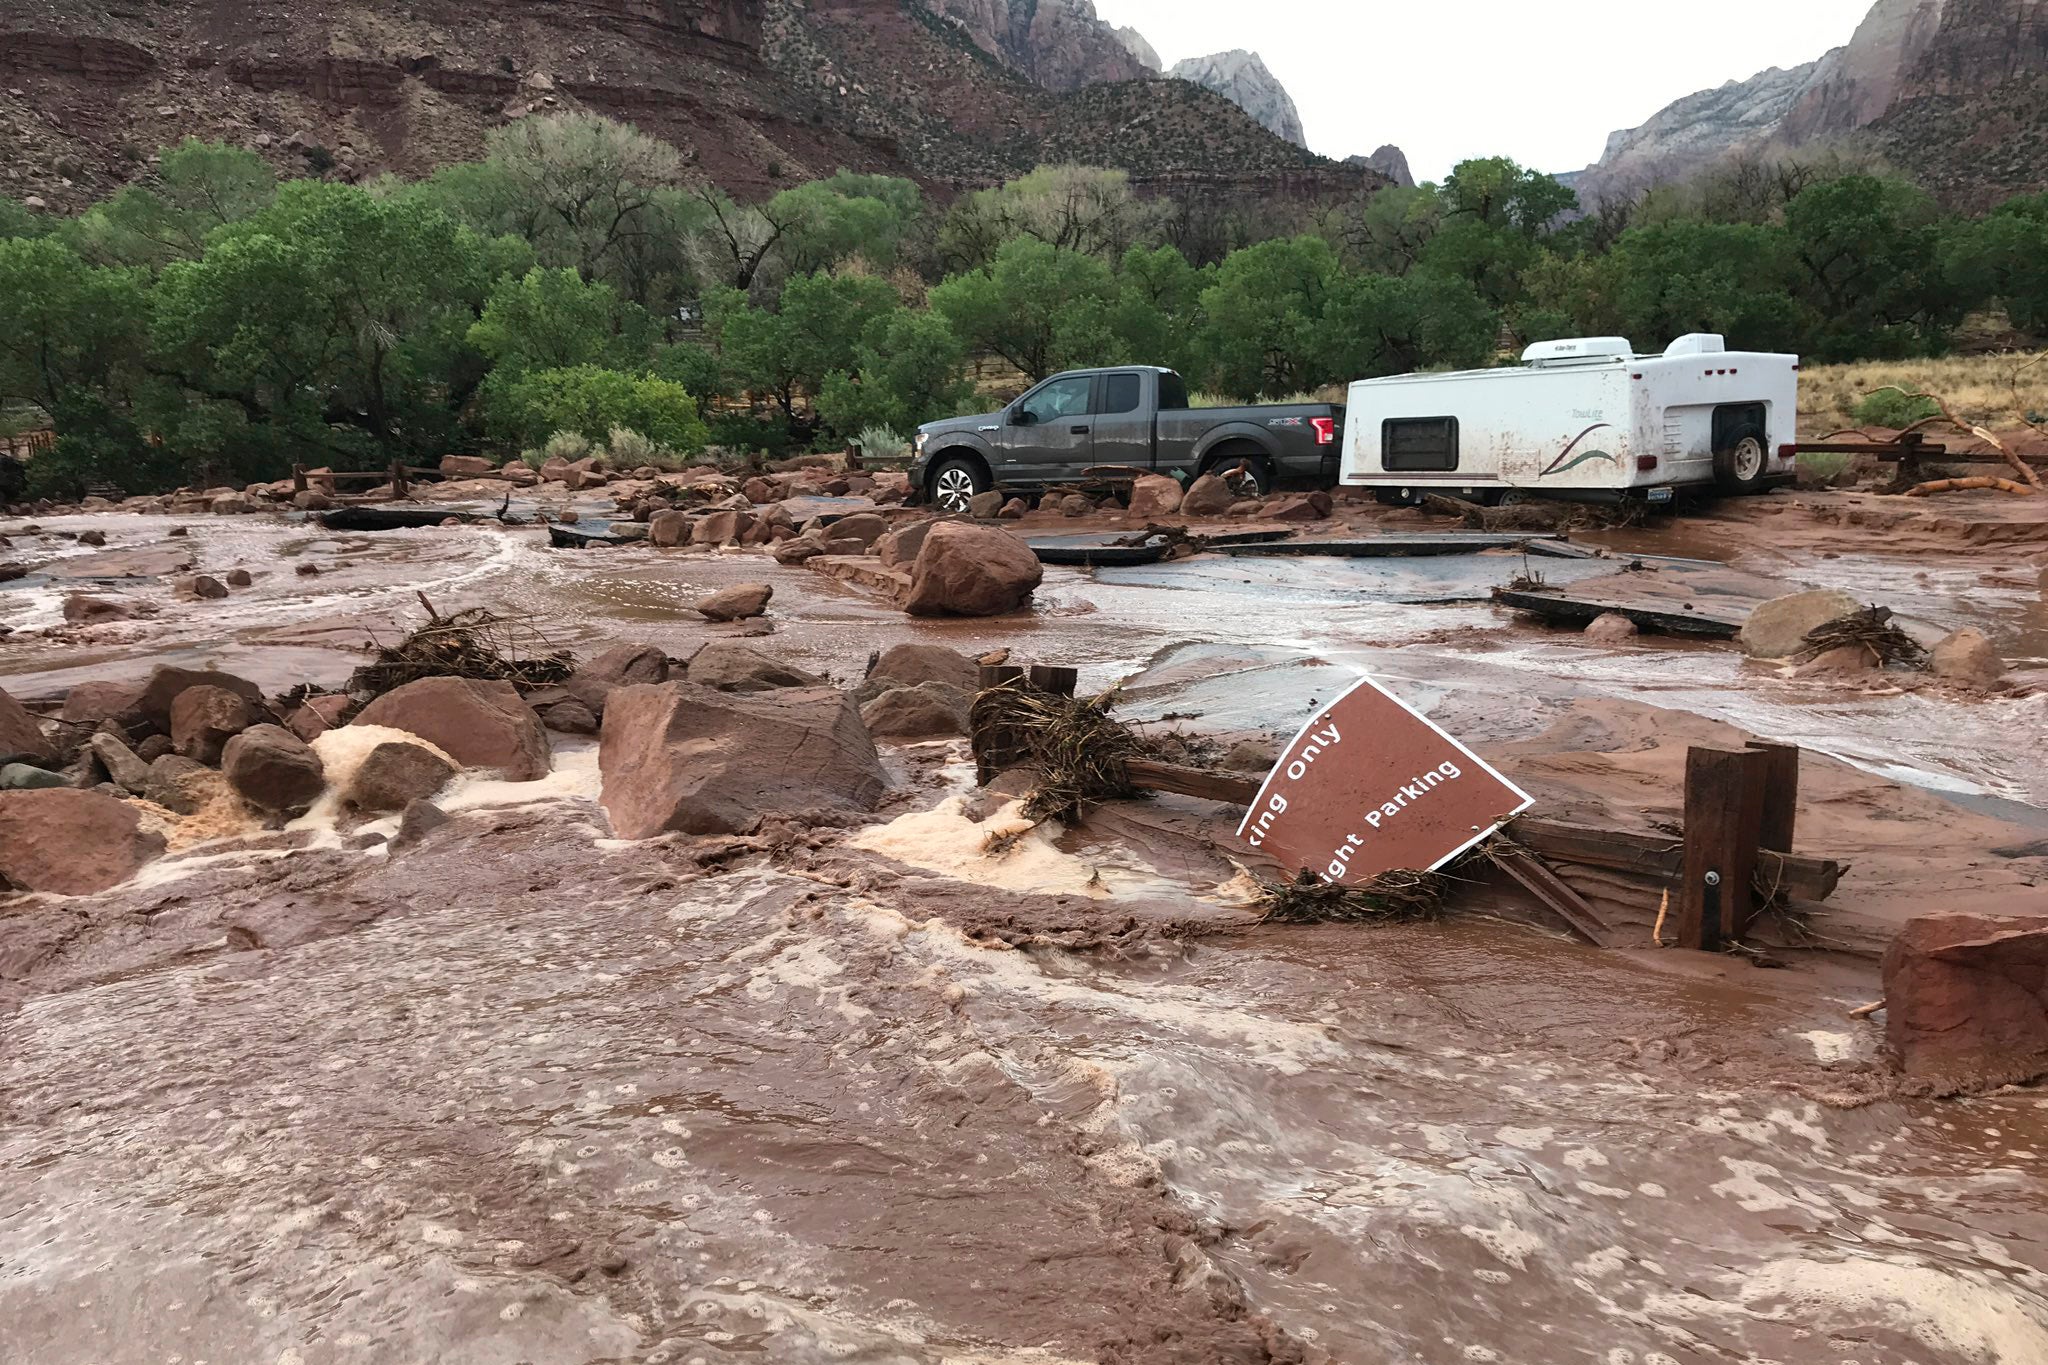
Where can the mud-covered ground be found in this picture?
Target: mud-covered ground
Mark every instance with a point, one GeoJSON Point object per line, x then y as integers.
{"type": "Point", "coordinates": [522, 1092]}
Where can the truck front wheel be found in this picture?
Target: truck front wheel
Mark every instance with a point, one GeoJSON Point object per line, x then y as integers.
{"type": "Point", "coordinates": [954, 483]}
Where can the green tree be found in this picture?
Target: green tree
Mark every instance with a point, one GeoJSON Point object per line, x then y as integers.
{"type": "Point", "coordinates": [1496, 191]}
{"type": "Point", "coordinates": [1868, 264]}
{"type": "Point", "coordinates": [1397, 324]}
{"type": "Point", "coordinates": [1736, 279]}
{"type": "Point", "coordinates": [67, 329]}
{"type": "Point", "coordinates": [2005, 257]}
{"type": "Point", "coordinates": [1157, 313]}
{"type": "Point", "coordinates": [1264, 318]}
{"type": "Point", "coordinates": [199, 187]}
{"type": "Point", "coordinates": [593, 400]}
{"type": "Point", "coordinates": [330, 309]}
{"type": "Point", "coordinates": [553, 319]}
{"type": "Point", "coordinates": [828, 222]}
{"type": "Point", "coordinates": [1040, 307]}
{"type": "Point", "coordinates": [1084, 209]}
{"type": "Point", "coordinates": [817, 330]}
{"type": "Point", "coordinates": [908, 371]}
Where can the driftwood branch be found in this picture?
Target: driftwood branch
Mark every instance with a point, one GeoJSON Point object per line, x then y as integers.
{"type": "Point", "coordinates": [1948, 414]}
{"type": "Point", "coordinates": [1965, 485]}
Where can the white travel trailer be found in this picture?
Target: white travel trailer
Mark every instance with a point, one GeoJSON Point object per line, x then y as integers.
{"type": "Point", "coordinates": [1585, 420]}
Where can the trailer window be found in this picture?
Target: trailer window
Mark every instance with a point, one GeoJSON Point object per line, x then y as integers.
{"type": "Point", "coordinates": [1416, 444]}
{"type": "Point", "coordinates": [1119, 394]}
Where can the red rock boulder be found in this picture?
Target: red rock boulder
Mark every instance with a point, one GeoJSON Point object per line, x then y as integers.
{"type": "Point", "coordinates": [683, 758]}
{"type": "Point", "coordinates": [152, 707]}
{"type": "Point", "coordinates": [1154, 496]}
{"type": "Point", "coordinates": [73, 843]}
{"type": "Point", "coordinates": [1208, 496]}
{"type": "Point", "coordinates": [740, 602]}
{"type": "Point", "coordinates": [478, 724]}
{"type": "Point", "coordinates": [967, 570]}
{"type": "Point", "coordinates": [20, 735]}
{"type": "Point", "coordinates": [619, 666]}
{"type": "Point", "coordinates": [1966, 1001]}
{"type": "Point", "coordinates": [204, 719]}
{"type": "Point", "coordinates": [273, 769]}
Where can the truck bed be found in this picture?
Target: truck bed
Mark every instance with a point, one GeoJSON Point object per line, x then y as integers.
{"type": "Point", "coordinates": [1290, 426]}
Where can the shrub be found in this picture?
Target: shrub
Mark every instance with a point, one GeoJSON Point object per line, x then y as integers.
{"type": "Point", "coordinates": [738, 431]}
{"type": "Point", "coordinates": [566, 446]}
{"type": "Point", "coordinates": [1894, 408]}
{"type": "Point", "coordinates": [591, 401]}
{"type": "Point", "coordinates": [628, 449]}
{"type": "Point", "coordinates": [882, 443]}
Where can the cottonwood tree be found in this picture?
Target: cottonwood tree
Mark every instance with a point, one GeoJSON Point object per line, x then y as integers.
{"type": "Point", "coordinates": [1040, 307]}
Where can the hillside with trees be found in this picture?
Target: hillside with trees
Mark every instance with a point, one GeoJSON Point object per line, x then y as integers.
{"type": "Point", "coordinates": [219, 324]}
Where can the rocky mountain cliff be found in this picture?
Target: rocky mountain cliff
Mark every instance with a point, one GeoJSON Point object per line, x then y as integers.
{"type": "Point", "coordinates": [1389, 161]}
{"type": "Point", "coordinates": [1953, 92]}
{"type": "Point", "coordinates": [1246, 81]}
{"type": "Point", "coordinates": [1059, 44]}
{"type": "Point", "coordinates": [757, 94]}
{"type": "Point", "coordinates": [1138, 46]}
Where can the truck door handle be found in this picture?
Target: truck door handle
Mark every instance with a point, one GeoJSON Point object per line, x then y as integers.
{"type": "Point", "coordinates": [1078, 431]}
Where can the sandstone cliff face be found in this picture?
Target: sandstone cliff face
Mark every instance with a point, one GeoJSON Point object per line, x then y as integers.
{"type": "Point", "coordinates": [1954, 92]}
{"type": "Point", "coordinates": [1691, 134]}
{"type": "Point", "coordinates": [1137, 45]}
{"type": "Point", "coordinates": [1244, 79]}
{"type": "Point", "coordinates": [1059, 44]}
{"type": "Point", "coordinates": [756, 94]}
{"type": "Point", "coordinates": [1389, 161]}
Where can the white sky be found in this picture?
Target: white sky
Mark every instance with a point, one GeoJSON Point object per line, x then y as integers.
{"type": "Point", "coordinates": [1542, 81]}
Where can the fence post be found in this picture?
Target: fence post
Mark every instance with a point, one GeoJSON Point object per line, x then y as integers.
{"type": "Point", "coordinates": [1724, 811]}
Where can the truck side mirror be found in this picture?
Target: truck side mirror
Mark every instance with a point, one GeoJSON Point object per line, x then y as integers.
{"type": "Point", "coordinates": [1022, 417]}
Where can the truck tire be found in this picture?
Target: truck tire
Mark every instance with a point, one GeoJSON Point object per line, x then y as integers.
{"type": "Point", "coordinates": [1741, 460]}
{"type": "Point", "coordinates": [1246, 475]}
{"type": "Point", "coordinates": [952, 484]}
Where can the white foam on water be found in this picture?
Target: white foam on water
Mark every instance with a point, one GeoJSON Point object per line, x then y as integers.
{"type": "Point", "coordinates": [1958, 1318]}
{"type": "Point", "coordinates": [1832, 1047]}
{"type": "Point", "coordinates": [946, 840]}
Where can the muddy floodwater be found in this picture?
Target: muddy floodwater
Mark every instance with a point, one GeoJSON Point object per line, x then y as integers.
{"type": "Point", "coordinates": [527, 1093]}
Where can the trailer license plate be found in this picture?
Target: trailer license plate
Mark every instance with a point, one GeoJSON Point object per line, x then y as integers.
{"type": "Point", "coordinates": [1659, 495]}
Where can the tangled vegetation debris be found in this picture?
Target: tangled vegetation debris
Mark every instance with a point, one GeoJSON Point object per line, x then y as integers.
{"type": "Point", "coordinates": [1391, 897]}
{"type": "Point", "coordinates": [1870, 629]}
{"type": "Point", "coordinates": [475, 643]}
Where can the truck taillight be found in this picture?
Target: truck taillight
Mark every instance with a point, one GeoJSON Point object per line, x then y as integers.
{"type": "Point", "coordinates": [1646, 463]}
{"type": "Point", "coordinates": [1326, 429]}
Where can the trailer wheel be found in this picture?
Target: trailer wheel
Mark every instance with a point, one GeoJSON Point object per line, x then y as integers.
{"type": "Point", "coordinates": [1740, 461]}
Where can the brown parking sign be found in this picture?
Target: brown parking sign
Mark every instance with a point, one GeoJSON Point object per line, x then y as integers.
{"type": "Point", "coordinates": [1370, 786]}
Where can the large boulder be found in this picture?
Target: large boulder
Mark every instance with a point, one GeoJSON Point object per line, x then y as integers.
{"type": "Point", "coordinates": [619, 666]}
{"type": "Point", "coordinates": [984, 506]}
{"type": "Point", "coordinates": [1155, 495]}
{"type": "Point", "coordinates": [73, 843]}
{"type": "Point", "coordinates": [395, 774]}
{"type": "Point", "coordinates": [21, 777]}
{"type": "Point", "coordinates": [908, 665]}
{"type": "Point", "coordinates": [204, 719]}
{"type": "Point", "coordinates": [20, 735]}
{"type": "Point", "coordinates": [83, 609]}
{"type": "Point", "coordinates": [929, 710]}
{"type": "Point", "coordinates": [1208, 496]}
{"type": "Point", "coordinates": [478, 724]}
{"type": "Point", "coordinates": [967, 570]}
{"type": "Point", "coordinates": [1966, 1000]}
{"type": "Point", "coordinates": [740, 602]}
{"type": "Point", "coordinates": [865, 527]}
{"type": "Point", "coordinates": [151, 709]}
{"type": "Point", "coordinates": [272, 769]}
{"type": "Point", "coordinates": [901, 545]}
{"type": "Point", "coordinates": [683, 758]}
{"type": "Point", "coordinates": [728, 666]}
{"type": "Point", "coordinates": [1966, 657]}
{"type": "Point", "coordinates": [179, 784]}
{"type": "Point", "coordinates": [720, 528]}
{"type": "Point", "coordinates": [466, 466]}
{"type": "Point", "coordinates": [667, 530]}
{"type": "Point", "coordinates": [1778, 628]}
{"type": "Point", "coordinates": [1305, 507]}
{"type": "Point", "coordinates": [1611, 628]}
{"type": "Point", "coordinates": [127, 768]}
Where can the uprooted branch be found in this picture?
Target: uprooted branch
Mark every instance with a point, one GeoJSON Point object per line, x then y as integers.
{"type": "Point", "coordinates": [1389, 897]}
{"type": "Point", "coordinates": [476, 643]}
{"type": "Point", "coordinates": [1870, 629]}
{"type": "Point", "coordinates": [1933, 486]}
{"type": "Point", "coordinates": [1948, 414]}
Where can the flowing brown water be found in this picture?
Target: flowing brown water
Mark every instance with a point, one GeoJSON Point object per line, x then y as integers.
{"type": "Point", "coordinates": [525, 1094]}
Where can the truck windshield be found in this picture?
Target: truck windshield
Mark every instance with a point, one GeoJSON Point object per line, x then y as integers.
{"type": "Point", "coordinates": [1173, 391]}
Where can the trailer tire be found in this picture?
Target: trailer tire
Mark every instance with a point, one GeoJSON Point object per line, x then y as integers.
{"type": "Point", "coordinates": [1741, 460]}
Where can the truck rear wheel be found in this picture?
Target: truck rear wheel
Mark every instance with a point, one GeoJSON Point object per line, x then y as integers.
{"type": "Point", "coordinates": [1246, 476]}
{"type": "Point", "coordinates": [954, 483]}
{"type": "Point", "coordinates": [1739, 462]}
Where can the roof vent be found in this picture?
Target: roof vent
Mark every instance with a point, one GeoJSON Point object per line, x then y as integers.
{"type": "Point", "coordinates": [1697, 343]}
{"type": "Point", "coordinates": [1578, 351]}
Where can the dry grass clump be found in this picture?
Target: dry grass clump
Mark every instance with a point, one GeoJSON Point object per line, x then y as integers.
{"type": "Point", "coordinates": [476, 643]}
{"type": "Point", "coordinates": [1979, 387]}
{"type": "Point", "coordinates": [1391, 897]}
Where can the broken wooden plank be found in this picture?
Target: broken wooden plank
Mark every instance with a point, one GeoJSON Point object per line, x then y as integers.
{"type": "Point", "coordinates": [1551, 891]}
{"type": "Point", "coordinates": [1660, 857]}
{"type": "Point", "coordinates": [1781, 794]}
{"type": "Point", "coordinates": [1210, 786]}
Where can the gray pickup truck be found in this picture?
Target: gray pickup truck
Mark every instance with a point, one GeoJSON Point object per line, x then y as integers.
{"type": "Point", "coordinates": [1085, 425]}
